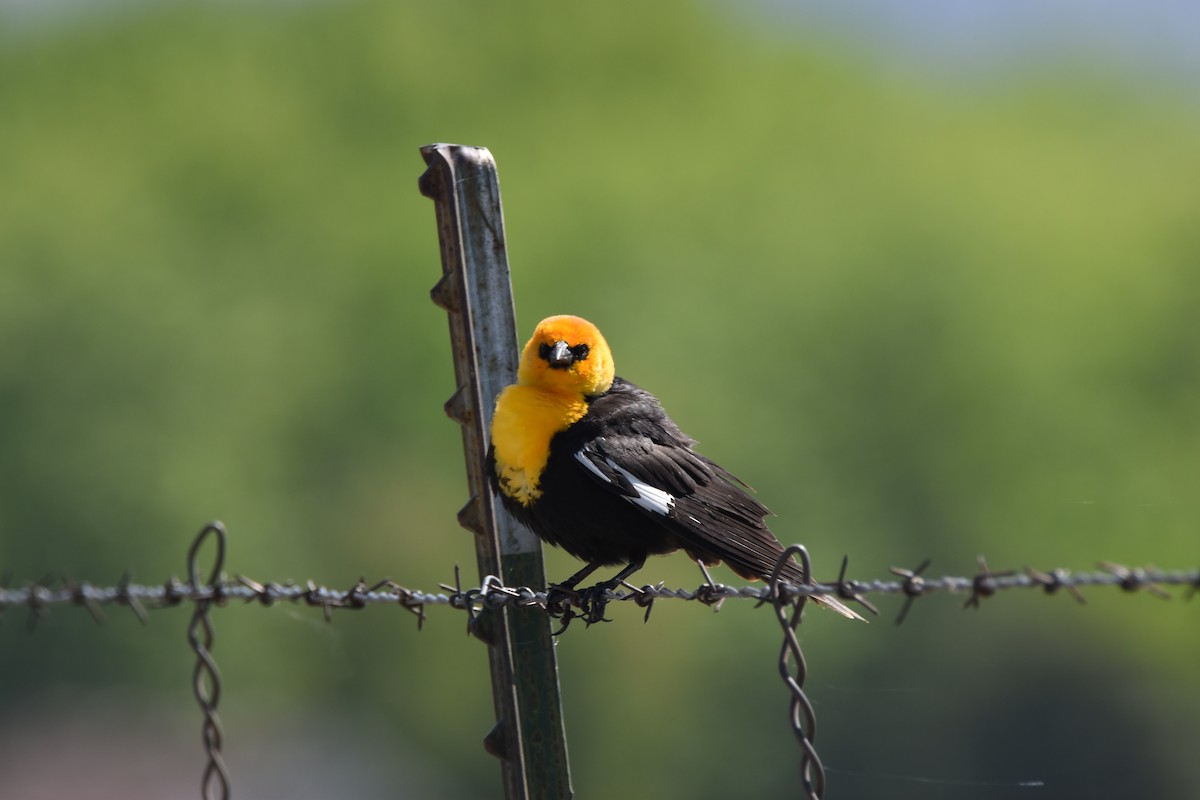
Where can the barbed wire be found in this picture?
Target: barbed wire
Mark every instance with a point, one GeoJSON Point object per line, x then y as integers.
{"type": "Point", "coordinates": [49, 592]}
{"type": "Point", "coordinates": [219, 590]}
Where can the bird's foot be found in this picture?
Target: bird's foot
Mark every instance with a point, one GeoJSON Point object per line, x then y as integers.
{"type": "Point", "coordinates": [564, 602]}
{"type": "Point", "coordinates": [561, 602]}
{"type": "Point", "coordinates": [593, 601]}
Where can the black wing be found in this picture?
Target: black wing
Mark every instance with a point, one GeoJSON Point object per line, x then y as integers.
{"type": "Point", "coordinates": [630, 447]}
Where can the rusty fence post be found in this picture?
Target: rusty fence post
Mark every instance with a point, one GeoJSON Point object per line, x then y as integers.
{"type": "Point", "coordinates": [476, 291]}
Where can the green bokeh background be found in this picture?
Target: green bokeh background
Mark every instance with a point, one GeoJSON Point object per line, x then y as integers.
{"type": "Point", "coordinates": [924, 318]}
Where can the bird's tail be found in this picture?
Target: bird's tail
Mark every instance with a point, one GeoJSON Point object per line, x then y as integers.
{"type": "Point", "coordinates": [834, 604]}
{"type": "Point", "coordinates": [793, 574]}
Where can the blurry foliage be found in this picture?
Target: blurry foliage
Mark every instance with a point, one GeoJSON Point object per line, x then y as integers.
{"type": "Point", "coordinates": [920, 320]}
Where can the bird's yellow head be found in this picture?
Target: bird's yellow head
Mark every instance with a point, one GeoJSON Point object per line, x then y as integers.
{"type": "Point", "coordinates": [567, 354]}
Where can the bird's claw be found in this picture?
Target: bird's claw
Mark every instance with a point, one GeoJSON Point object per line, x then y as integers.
{"type": "Point", "coordinates": [593, 600]}
{"type": "Point", "coordinates": [562, 602]}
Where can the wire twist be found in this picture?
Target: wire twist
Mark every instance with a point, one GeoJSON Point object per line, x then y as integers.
{"type": "Point", "coordinates": [206, 678]}
{"type": "Point", "coordinates": [803, 717]}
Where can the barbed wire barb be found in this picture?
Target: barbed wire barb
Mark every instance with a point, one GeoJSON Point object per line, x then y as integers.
{"type": "Point", "coordinates": [849, 590]}
{"type": "Point", "coordinates": [1135, 579]}
{"type": "Point", "coordinates": [643, 597]}
{"type": "Point", "coordinates": [79, 597]}
{"type": "Point", "coordinates": [710, 592]}
{"type": "Point", "coordinates": [913, 586]}
{"type": "Point", "coordinates": [125, 597]}
{"type": "Point", "coordinates": [1054, 580]}
{"type": "Point", "coordinates": [984, 583]}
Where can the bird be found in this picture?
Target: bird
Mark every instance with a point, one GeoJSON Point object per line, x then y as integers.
{"type": "Point", "coordinates": [591, 463]}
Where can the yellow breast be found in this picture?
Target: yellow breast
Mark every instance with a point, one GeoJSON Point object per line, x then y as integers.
{"type": "Point", "coordinates": [526, 418]}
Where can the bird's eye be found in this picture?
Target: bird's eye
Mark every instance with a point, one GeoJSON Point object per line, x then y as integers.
{"type": "Point", "coordinates": [544, 351]}
{"type": "Point", "coordinates": [580, 351]}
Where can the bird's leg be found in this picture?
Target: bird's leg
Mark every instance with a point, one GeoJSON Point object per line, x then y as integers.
{"type": "Point", "coordinates": [634, 565]}
{"type": "Point", "coordinates": [573, 581]}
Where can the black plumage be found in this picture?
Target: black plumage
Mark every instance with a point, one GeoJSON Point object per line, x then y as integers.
{"type": "Point", "coordinates": [593, 464]}
{"type": "Point", "coordinates": [712, 517]}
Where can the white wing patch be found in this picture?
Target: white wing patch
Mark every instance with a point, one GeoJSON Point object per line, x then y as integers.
{"type": "Point", "coordinates": [648, 497]}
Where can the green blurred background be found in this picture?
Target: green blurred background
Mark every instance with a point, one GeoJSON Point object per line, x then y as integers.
{"type": "Point", "coordinates": [928, 308]}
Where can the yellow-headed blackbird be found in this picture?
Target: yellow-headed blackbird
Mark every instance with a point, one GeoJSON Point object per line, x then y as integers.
{"type": "Point", "coordinates": [592, 463]}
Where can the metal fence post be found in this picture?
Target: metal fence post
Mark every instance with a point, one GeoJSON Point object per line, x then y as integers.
{"type": "Point", "coordinates": [477, 292]}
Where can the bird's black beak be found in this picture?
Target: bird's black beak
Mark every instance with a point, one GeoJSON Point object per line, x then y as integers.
{"type": "Point", "coordinates": [560, 356]}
